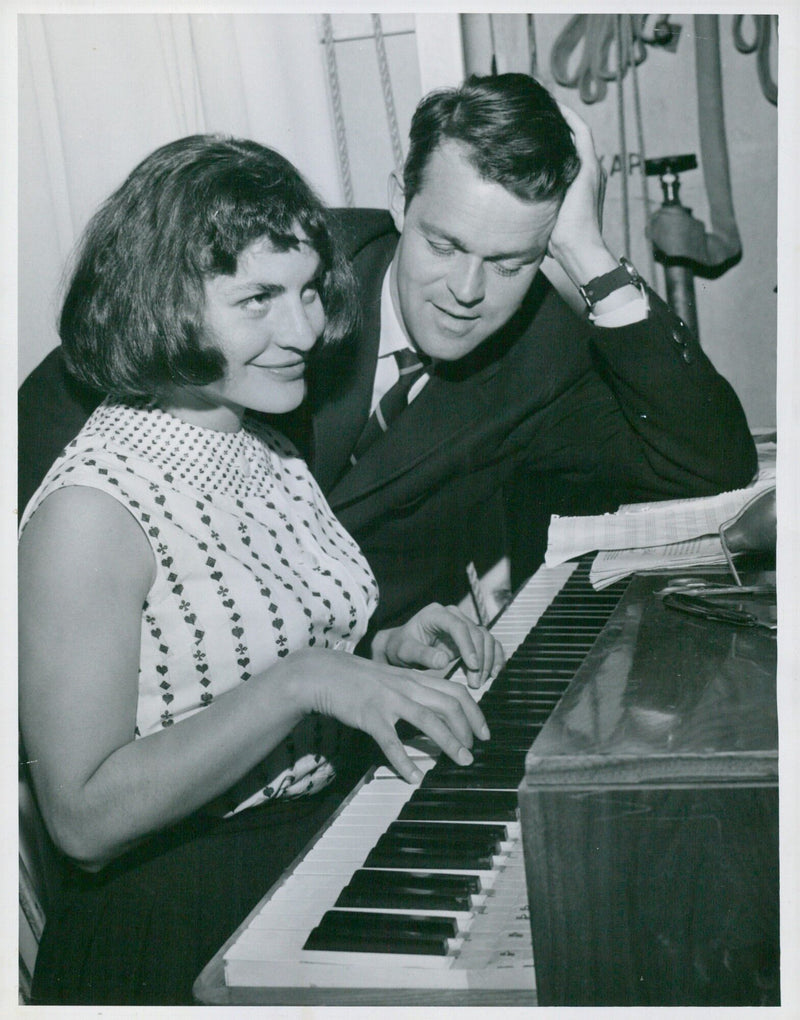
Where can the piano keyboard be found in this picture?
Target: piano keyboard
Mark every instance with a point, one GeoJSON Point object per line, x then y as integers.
{"type": "Point", "coordinates": [424, 887]}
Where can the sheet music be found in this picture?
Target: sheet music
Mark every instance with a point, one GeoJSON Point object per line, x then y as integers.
{"type": "Point", "coordinates": [666, 525]}
{"type": "Point", "coordinates": [614, 564]}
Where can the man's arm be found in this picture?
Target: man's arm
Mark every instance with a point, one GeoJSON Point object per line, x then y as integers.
{"type": "Point", "coordinates": [577, 242]}
{"type": "Point", "coordinates": [664, 423]}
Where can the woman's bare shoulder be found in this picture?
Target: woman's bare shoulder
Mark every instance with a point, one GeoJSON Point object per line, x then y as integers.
{"type": "Point", "coordinates": [82, 529]}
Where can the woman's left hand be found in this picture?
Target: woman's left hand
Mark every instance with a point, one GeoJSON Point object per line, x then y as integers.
{"type": "Point", "coordinates": [435, 637]}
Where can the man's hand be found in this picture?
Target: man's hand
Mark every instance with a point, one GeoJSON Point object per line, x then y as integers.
{"type": "Point", "coordinates": [435, 637]}
{"type": "Point", "coordinates": [577, 241]}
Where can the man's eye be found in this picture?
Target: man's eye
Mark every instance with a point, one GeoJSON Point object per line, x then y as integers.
{"type": "Point", "coordinates": [506, 270]}
{"type": "Point", "coordinates": [311, 294]}
{"type": "Point", "coordinates": [441, 249]}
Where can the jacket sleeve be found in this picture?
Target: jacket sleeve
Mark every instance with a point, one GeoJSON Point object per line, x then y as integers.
{"type": "Point", "coordinates": [649, 419]}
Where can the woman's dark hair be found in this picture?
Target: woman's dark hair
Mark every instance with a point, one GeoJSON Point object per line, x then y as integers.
{"type": "Point", "coordinates": [512, 131]}
{"type": "Point", "coordinates": [131, 320]}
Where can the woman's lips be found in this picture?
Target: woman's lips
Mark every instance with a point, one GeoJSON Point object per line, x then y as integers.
{"type": "Point", "coordinates": [290, 370]}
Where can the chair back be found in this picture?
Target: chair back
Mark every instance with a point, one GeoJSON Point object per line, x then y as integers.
{"type": "Point", "coordinates": [41, 870]}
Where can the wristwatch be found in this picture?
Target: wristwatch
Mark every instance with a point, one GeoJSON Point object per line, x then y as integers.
{"type": "Point", "coordinates": [601, 286]}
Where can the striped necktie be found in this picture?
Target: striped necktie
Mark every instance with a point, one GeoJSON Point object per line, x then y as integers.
{"type": "Point", "coordinates": [411, 369]}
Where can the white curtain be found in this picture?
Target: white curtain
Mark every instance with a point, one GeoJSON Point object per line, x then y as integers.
{"type": "Point", "coordinates": [99, 92]}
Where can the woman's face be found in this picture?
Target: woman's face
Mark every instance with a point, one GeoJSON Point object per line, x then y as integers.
{"type": "Point", "coordinates": [265, 319]}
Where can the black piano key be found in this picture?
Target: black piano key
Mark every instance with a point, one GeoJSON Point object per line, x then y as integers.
{"type": "Point", "coordinates": [483, 845]}
{"type": "Point", "coordinates": [480, 847]}
{"type": "Point", "coordinates": [527, 702]}
{"type": "Point", "coordinates": [456, 885]}
{"type": "Point", "coordinates": [458, 804]}
{"type": "Point", "coordinates": [409, 891]}
{"type": "Point", "coordinates": [344, 930]}
{"type": "Point", "coordinates": [426, 858]}
{"type": "Point", "coordinates": [512, 727]}
{"type": "Point", "coordinates": [448, 831]}
{"type": "Point", "coordinates": [518, 703]}
{"type": "Point", "coordinates": [573, 651]}
{"type": "Point", "coordinates": [517, 711]}
{"type": "Point", "coordinates": [367, 922]}
{"type": "Point", "coordinates": [507, 752]}
{"type": "Point", "coordinates": [477, 781]}
{"type": "Point", "coordinates": [497, 772]}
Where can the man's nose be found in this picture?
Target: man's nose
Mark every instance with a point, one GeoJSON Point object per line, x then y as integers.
{"type": "Point", "coordinates": [466, 280]}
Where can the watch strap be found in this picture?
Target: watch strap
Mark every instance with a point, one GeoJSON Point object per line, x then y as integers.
{"type": "Point", "coordinates": [601, 286]}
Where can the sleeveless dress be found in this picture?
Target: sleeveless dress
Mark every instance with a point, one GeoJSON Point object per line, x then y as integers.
{"type": "Point", "coordinates": [251, 565]}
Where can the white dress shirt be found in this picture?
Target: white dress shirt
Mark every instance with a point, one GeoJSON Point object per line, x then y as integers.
{"type": "Point", "coordinates": [393, 338]}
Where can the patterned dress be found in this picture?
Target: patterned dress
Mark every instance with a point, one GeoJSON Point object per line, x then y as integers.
{"type": "Point", "coordinates": [251, 565]}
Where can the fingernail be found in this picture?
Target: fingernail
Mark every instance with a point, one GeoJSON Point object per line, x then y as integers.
{"type": "Point", "coordinates": [416, 776]}
{"type": "Point", "coordinates": [485, 734]}
{"type": "Point", "coordinates": [464, 757]}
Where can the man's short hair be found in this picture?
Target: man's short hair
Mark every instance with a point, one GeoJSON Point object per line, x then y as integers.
{"type": "Point", "coordinates": [512, 131]}
{"type": "Point", "coordinates": [134, 306]}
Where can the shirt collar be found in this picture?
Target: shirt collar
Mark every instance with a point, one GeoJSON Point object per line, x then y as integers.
{"type": "Point", "coordinates": [393, 337]}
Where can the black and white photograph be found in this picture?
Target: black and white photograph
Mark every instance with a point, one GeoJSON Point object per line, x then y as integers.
{"type": "Point", "coordinates": [398, 534]}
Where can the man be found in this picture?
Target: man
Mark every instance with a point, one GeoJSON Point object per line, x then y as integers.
{"type": "Point", "coordinates": [520, 408]}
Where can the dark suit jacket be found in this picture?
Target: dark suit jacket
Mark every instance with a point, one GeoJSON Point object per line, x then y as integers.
{"type": "Point", "coordinates": [550, 415]}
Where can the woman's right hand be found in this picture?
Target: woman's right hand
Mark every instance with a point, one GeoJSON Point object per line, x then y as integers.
{"type": "Point", "coordinates": [374, 697]}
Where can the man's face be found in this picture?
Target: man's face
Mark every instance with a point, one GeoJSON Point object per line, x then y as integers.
{"type": "Point", "coordinates": [468, 252]}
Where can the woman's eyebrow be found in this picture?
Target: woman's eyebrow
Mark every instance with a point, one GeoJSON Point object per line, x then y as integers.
{"type": "Point", "coordinates": [256, 286]}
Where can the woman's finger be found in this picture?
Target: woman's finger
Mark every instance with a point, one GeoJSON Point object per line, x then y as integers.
{"type": "Point", "coordinates": [430, 723]}
{"type": "Point", "coordinates": [386, 738]}
{"type": "Point", "coordinates": [467, 703]}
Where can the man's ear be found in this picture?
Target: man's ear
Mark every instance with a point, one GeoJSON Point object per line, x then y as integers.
{"type": "Point", "coordinates": [397, 200]}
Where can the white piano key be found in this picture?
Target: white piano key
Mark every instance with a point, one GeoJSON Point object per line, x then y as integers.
{"type": "Point", "coordinates": [379, 972]}
{"type": "Point", "coordinates": [305, 915]}
{"type": "Point", "coordinates": [495, 951]}
{"type": "Point", "coordinates": [280, 953]}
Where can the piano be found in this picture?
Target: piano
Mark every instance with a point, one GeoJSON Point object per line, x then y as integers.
{"type": "Point", "coordinates": [444, 894]}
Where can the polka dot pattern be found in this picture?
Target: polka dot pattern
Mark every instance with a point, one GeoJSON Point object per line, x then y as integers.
{"type": "Point", "coordinates": [251, 565]}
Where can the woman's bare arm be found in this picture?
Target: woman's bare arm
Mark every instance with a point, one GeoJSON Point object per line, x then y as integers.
{"type": "Point", "coordinates": [85, 569]}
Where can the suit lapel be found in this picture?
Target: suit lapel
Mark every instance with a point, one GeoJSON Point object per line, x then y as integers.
{"type": "Point", "coordinates": [343, 390]}
{"type": "Point", "coordinates": [434, 423]}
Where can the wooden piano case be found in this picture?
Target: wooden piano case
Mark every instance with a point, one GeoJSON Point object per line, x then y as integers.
{"type": "Point", "coordinates": [649, 815]}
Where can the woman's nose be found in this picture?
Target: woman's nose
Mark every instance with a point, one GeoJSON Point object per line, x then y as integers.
{"type": "Point", "coordinates": [302, 326]}
{"type": "Point", "coordinates": [466, 280]}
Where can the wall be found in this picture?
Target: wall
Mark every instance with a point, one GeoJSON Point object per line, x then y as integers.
{"type": "Point", "coordinates": [98, 92]}
{"type": "Point", "coordinates": [737, 312]}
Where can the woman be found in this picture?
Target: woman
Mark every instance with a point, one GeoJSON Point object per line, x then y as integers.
{"type": "Point", "coordinates": [188, 601]}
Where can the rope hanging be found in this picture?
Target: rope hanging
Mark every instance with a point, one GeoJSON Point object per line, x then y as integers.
{"type": "Point", "coordinates": [338, 112]}
{"type": "Point", "coordinates": [388, 97]}
{"type": "Point", "coordinates": [760, 45]}
{"type": "Point", "coordinates": [623, 145]}
{"type": "Point", "coordinates": [646, 204]}
{"type": "Point", "coordinates": [594, 37]}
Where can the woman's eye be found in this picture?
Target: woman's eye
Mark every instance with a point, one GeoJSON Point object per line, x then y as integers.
{"type": "Point", "coordinates": [256, 302]}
